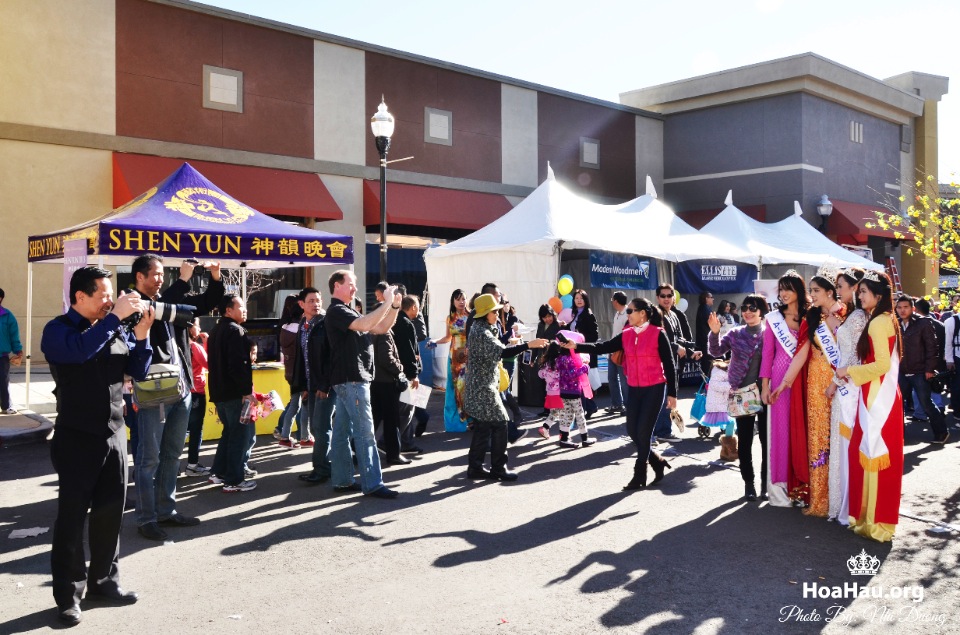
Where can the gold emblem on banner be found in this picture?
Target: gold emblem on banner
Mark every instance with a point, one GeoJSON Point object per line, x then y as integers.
{"type": "Point", "coordinates": [208, 205]}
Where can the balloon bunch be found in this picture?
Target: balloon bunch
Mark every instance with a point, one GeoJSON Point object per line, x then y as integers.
{"type": "Point", "coordinates": [563, 306]}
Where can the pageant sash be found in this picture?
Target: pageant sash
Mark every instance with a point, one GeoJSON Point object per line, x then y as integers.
{"type": "Point", "coordinates": [781, 332]}
{"type": "Point", "coordinates": [831, 350]}
{"type": "Point", "coordinates": [874, 455]}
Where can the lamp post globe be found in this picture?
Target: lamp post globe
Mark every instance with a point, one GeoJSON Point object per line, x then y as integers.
{"type": "Point", "coordinates": [381, 124]}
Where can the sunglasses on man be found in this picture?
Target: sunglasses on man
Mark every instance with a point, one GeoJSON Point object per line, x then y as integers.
{"type": "Point", "coordinates": [666, 295]}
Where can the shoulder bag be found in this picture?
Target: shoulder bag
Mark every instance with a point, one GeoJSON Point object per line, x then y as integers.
{"type": "Point", "coordinates": [164, 384]}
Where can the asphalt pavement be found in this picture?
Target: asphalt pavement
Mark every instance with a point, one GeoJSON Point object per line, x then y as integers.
{"type": "Point", "coordinates": [562, 550]}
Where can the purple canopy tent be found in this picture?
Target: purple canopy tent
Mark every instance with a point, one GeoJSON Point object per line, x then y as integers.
{"type": "Point", "coordinates": [187, 216]}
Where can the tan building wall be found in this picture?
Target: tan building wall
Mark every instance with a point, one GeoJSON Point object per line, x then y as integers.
{"type": "Point", "coordinates": [45, 188]}
{"type": "Point", "coordinates": [58, 64]}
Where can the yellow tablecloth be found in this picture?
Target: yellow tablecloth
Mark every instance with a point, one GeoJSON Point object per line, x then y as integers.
{"type": "Point", "coordinates": [266, 377]}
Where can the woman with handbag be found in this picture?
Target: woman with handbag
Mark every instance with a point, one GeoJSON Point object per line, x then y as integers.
{"type": "Point", "coordinates": [585, 323]}
{"type": "Point", "coordinates": [876, 443]}
{"type": "Point", "coordinates": [651, 379]}
{"type": "Point", "coordinates": [482, 391]}
{"type": "Point", "coordinates": [779, 345]}
{"type": "Point", "coordinates": [744, 344]}
{"type": "Point", "coordinates": [816, 358]}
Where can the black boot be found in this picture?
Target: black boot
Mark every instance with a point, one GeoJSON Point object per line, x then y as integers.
{"type": "Point", "coordinates": [658, 465]}
{"type": "Point", "coordinates": [749, 491]}
{"type": "Point", "coordinates": [639, 480]}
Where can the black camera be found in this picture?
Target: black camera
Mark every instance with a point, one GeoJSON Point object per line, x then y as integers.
{"type": "Point", "coordinates": [177, 314]}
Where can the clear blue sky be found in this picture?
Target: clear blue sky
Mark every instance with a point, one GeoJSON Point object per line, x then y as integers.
{"type": "Point", "coordinates": [606, 47]}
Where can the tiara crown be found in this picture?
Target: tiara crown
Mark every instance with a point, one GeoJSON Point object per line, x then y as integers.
{"type": "Point", "coordinates": [791, 273]}
{"type": "Point", "coordinates": [863, 564]}
{"type": "Point", "coordinates": [828, 272]}
{"type": "Point", "coordinates": [873, 275]}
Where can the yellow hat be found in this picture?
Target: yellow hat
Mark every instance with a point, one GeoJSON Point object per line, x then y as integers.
{"type": "Point", "coordinates": [484, 304]}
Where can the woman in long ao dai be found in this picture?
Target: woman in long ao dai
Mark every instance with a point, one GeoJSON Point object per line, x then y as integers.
{"type": "Point", "coordinates": [876, 445]}
{"type": "Point", "coordinates": [843, 414]}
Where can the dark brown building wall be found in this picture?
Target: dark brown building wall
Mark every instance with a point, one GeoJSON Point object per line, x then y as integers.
{"type": "Point", "coordinates": [409, 87]}
{"type": "Point", "coordinates": [561, 122]}
{"type": "Point", "coordinates": [161, 51]}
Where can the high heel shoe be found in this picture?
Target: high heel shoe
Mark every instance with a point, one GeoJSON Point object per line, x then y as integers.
{"type": "Point", "coordinates": [659, 465]}
{"type": "Point", "coordinates": [639, 480]}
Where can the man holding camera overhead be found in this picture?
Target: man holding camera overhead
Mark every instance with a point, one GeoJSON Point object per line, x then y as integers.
{"type": "Point", "coordinates": [163, 429]}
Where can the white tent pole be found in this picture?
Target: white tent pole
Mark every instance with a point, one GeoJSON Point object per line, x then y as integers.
{"type": "Point", "coordinates": [26, 397]}
{"type": "Point", "coordinates": [243, 283]}
{"type": "Point", "coordinates": [759, 267]}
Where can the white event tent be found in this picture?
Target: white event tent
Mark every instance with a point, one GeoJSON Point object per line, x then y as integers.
{"type": "Point", "coordinates": [520, 251]}
{"type": "Point", "coordinates": [791, 241]}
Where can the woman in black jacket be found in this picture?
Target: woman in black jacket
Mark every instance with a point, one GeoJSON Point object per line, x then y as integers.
{"type": "Point", "coordinates": [585, 323]}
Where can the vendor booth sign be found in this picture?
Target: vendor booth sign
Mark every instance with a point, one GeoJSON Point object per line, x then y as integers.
{"type": "Point", "coordinates": [715, 276]}
{"type": "Point", "coordinates": [610, 270]}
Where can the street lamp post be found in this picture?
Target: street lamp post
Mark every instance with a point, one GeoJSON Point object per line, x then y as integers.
{"type": "Point", "coordinates": [824, 208]}
{"type": "Point", "coordinates": [382, 126]}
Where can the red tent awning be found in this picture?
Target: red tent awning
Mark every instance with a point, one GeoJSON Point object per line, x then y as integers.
{"type": "Point", "coordinates": [851, 219]}
{"type": "Point", "coordinates": [276, 192]}
{"type": "Point", "coordinates": [432, 206]}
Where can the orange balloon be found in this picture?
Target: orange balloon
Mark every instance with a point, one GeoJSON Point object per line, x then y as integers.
{"type": "Point", "coordinates": [555, 304]}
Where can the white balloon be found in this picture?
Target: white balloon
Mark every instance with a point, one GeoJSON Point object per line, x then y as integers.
{"type": "Point", "coordinates": [682, 304]}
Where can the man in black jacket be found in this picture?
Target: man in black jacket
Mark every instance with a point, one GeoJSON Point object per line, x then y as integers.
{"type": "Point", "coordinates": [162, 434]}
{"type": "Point", "coordinates": [919, 365]}
{"type": "Point", "coordinates": [229, 383]}
{"type": "Point", "coordinates": [89, 352]}
{"type": "Point", "coordinates": [678, 332]}
{"type": "Point", "coordinates": [311, 377]}
{"type": "Point", "coordinates": [405, 337]}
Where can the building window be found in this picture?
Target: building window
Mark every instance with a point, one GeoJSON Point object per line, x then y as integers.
{"type": "Point", "coordinates": [222, 89]}
{"type": "Point", "coordinates": [856, 132]}
{"type": "Point", "coordinates": [589, 153]}
{"type": "Point", "coordinates": [906, 138]}
{"type": "Point", "coordinates": [438, 126]}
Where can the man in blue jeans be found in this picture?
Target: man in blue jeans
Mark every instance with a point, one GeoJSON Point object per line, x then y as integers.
{"type": "Point", "coordinates": [10, 350]}
{"type": "Point", "coordinates": [616, 375]}
{"type": "Point", "coordinates": [230, 382]}
{"type": "Point", "coordinates": [311, 364]}
{"type": "Point", "coordinates": [919, 364]}
{"type": "Point", "coordinates": [351, 371]}
{"type": "Point", "coordinates": [163, 430]}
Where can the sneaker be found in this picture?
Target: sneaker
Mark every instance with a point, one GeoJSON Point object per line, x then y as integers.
{"type": "Point", "coordinates": [276, 433]}
{"type": "Point", "coordinates": [245, 486]}
{"type": "Point", "coordinates": [288, 443]}
{"type": "Point", "coordinates": [942, 439]}
{"type": "Point", "coordinates": [248, 473]}
{"type": "Point", "coordinates": [654, 443]}
{"type": "Point", "coordinates": [568, 444]}
{"type": "Point", "coordinates": [307, 444]}
{"type": "Point", "coordinates": [544, 432]}
{"type": "Point", "coordinates": [10, 411]}
{"type": "Point", "coordinates": [195, 469]}
{"type": "Point", "coordinates": [587, 441]}
{"type": "Point", "coordinates": [670, 439]}
{"type": "Point", "coordinates": [216, 480]}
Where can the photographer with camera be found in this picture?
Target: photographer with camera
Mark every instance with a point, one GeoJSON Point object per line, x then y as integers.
{"type": "Point", "coordinates": [163, 429]}
{"type": "Point", "coordinates": [89, 353]}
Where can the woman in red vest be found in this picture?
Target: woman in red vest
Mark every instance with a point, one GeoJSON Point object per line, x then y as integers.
{"type": "Point", "coordinates": [651, 377]}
